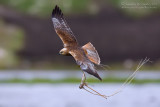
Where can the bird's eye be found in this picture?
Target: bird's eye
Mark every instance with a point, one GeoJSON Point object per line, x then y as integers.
{"type": "Point", "coordinates": [61, 52]}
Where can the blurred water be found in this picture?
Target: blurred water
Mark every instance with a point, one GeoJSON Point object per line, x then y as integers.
{"type": "Point", "coordinates": [69, 95]}
{"type": "Point", "coordinates": [59, 74]}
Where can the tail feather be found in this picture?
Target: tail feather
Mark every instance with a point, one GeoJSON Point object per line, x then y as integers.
{"type": "Point", "coordinates": [94, 73]}
{"type": "Point", "coordinates": [89, 68]}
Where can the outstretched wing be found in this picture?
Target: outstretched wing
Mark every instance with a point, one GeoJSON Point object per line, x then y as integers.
{"type": "Point", "coordinates": [84, 63]}
{"type": "Point", "coordinates": [91, 53]}
{"type": "Point", "coordinates": [62, 28]}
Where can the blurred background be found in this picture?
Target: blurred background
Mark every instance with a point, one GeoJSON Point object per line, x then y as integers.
{"type": "Point", "coordinates": [123, 32]}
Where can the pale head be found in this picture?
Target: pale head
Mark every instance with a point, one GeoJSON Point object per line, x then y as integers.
{"type": "Point", "coordinates": [64, 51]}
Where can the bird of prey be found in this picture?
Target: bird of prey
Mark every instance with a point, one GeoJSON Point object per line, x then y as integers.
{"type": "Point", "coordinates": [86, 56]}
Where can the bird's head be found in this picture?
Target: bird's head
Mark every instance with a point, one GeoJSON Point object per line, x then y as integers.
{"type": "Point", "coordinates": [64, 51]}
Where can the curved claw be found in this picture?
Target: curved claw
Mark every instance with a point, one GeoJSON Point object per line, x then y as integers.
{"type": "Point", "coordinates": [81, 86]}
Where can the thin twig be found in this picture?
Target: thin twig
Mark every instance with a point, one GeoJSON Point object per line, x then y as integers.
{"type": "Point", "coordinates": [127, 82]}
{"type": "Point", "coordinates": [131, 77]}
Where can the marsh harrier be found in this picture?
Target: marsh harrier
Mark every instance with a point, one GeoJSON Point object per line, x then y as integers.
{"type": "Point", "coordinates": [85, 56]}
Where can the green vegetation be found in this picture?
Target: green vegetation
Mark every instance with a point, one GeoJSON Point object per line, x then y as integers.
{"type": "Point", "coordinates": [75, 80]}
{"type": "Point", "coordinates": [137, 8]}
{"type": "Point", "coordinates": [11, 41]}
{"type": "Point", "coordinates": [44, 7]}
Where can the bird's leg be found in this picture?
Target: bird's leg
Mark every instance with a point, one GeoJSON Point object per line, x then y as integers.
{"type": "Point", "coordinates": [83, 81]}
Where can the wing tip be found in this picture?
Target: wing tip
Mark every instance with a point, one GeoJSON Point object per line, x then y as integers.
{"type": "Point", "coordinates": [57, 12]}
{"type": "Point", "coordinates": [90, 71]}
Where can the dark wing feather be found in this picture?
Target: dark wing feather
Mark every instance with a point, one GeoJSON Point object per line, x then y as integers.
{"type": "Point", "coordinates": [62, 28]}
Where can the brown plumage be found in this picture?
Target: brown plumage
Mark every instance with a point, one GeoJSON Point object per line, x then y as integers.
{"type": "Point", "coordinates": [86, 55]}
